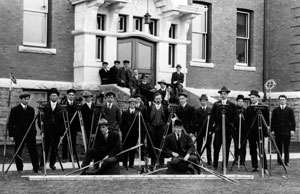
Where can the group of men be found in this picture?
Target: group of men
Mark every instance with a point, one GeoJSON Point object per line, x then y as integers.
{"type": "Point", "coordinates": [190, 136]}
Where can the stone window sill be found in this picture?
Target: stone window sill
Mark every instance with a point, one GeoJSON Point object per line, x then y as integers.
{"type": "Point", "coordinates": [244, 68]}
{"type": "Point", "coordinates": [27, 49]}
{"type": "Point", "coordinates": [202, 64]}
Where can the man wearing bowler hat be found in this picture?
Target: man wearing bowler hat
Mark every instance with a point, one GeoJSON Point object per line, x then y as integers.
{"type": "Point", "coordinates": [21, 116]}
{"type": "Point", "coordinates": [252, 121]}
{"type": "Point", "coordinates": [53, 127]}
{"type": "Point", "coordinates": [230, 118]}
{"type": "Point", "coordinates": [177, 79]}
{"type": "Point", "coordinates": [201, 126]}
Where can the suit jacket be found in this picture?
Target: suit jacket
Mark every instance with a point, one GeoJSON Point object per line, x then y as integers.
{"type": "Point", "coordinates": [105, 76]}
{"type": "Point", "coordinates": [187, 115]}
{"type": "Point", "coordinates": [165, 114]}
{"type": "Point", "coordinates": [177, 77]}
{"type": "Point", "coordinates": [113, 116]}
{"type": "Point", "coordinates": [144, 90]}
{"type": "Point", "coordinates": [201, 121]}
{"type": "Point", "coordinates": [134, 83]}
{"type": "Point", "coordinates": [87, 114]}
{"type": "Point", "coordinates": [283, 121]}
{"type": "Point", "coordinates": [125, 75]}
{"type": "Point", "coordinates": [113, 74]}
{"type": "Point", "coordinates": [251, 119]}
{"type": "Point", "coordinates": [53, 120]}
{"type": "Point", "coordinates": [127, 119]}
{"type": "Point", "coordinates": [75, 125]}
{"type": "Point", "coordinates": [187, 145]}
{"type": "Point", "coordinates": [20, 120]}
{"type": "Point", "coordinates": [231, 115]}
{"type": "Point", "coordinates": [111, 146]}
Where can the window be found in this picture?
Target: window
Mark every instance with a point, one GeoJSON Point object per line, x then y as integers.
{"type": "Point", "coordinates": [137, 24]}
{"type": "Point", "coordinates": [171, 60]}
{"type": "Point", "coordinates": [35, 22]}
{"type": "Point", "coordinates": [122, 23]}
{"type": "Point", "coordinates": [99, 47]}
{"type": "Point", "coordinates": [172, 31]}
{"type": "Point", "coordinates": [153, 27]}
{"type": "Point", "coordinates": [199, 35]}
{"type": "Point", "coordinates": [100, 22]}
{"type": "Point", "coordinates": [242, 38]}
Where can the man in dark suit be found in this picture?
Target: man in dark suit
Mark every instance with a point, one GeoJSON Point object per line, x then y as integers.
{"type": "Point", "coordinates": [186, 113]}
{"type": "Point", "coordinates": [177, 79]}
{"type": "Point", "coordinates": [163, 88]}
{"type": "Point", "coordinates": [179, 144]}
{"type": "Point", "coordinates": [134, 83]}
{"type": "Point", "coordinates": [87, 113]}
{"type": "Point", "coordinates": [283, 125]}
{"type": "Point", "coordinates": [105, 75]}
{"type": "Point", "coordinates": [201, 127]}
{"type": "Point", "coordinates": [157, 120]}
{"type": "Point", "coordinates": [124, 75]}
{"type": "Point", "coordinates": [252, 122]}
{"type": "Point", "coordinates": [74, 126]}
{"type": "Point", "coordinates": [107, 146]}
{"type": "Point", "coordinates": [53, 127]}
{"type": "Point", "coordinates": [112, 113]}
{"type": "Point", "coordinates": [20, 118]}
{"type": "Point", "coordinates": [146, 90]}
{"type": "Point", "coordinates": [114, 71]}
{"type": "Point", "coordinates": [231, 116]}
{"type": "Point", "coordinates": [131, 134]}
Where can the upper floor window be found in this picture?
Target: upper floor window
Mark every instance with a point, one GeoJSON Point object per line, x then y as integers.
{"type": "Point", "coordinates": [35, 14]}
{"type": "Point", "coordinates": [242, 38]}
{"type": "Point", "coordinates": [153, 27]}
{"type": "Point", "coordinates": [122, 24]}
{"type": "Point", "coordinates": [137, 24]}
{"type": "Point", "coordinates": [99, 48]}
{"type": "Point", "coordinates": [100, 22]}
{"type": "Point", "coordinates": [172, 31]}
{"type": "Point", "coordinates": [199, 35]}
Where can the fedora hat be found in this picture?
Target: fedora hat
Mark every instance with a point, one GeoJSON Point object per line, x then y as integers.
{"type": "Point", "coordinates": [203, 97]}
{"type": "Point", "coordinates": [224, 89]}
{"type": "Point", "coordinates": [162, 82]}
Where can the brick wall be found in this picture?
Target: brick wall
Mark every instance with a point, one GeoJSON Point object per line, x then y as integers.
{"type": "Point", "coordinates": [222, 48]}
{"type": "Point", "coordinates": [34, 66]}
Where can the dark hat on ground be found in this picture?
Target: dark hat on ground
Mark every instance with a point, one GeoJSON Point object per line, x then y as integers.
{"type": "Point", "coordinates": [104, 63]}
{"type": "Point", "coordinates": [138, 96]}
{"type": "Point", "coordinates": [126, 61]}
{"type": "Point", "coordinates": [131, 100]}
{"type": "Point", "coordinates": [162, 82]}
{"type": "Point", "coordinates": [87, 94]}
{"type": "Point", "coordinates": [53, 91]}
{"type": "Point", "coordinates": [103, 122]}
{"type": "Point", "coordinates": [178, 66]}
{"type": "Point", "coordinates": [71, 90]}
{"type": "Point", "coordinates": [224, 89]}
{"type": "Point", "coordinates": [203, 97]}
{"type": "Point", "coordinates": [240, 97]}
{"type": "Point", "coordinates": [254, 92]}
{"type": "Point", "coordinates": [24, 95]}
{"type": "Point", "coordinates": [178, 122]}
{"type": "Point", "coordinates": [182, 94]}
{"type": "Point", "coordinates": [110, 94]}
{"type": "Point", "coordinates": [116, 61]}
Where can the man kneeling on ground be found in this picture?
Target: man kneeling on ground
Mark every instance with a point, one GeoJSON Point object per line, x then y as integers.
{"type": "Point", "coordinates": [180, 147]}
{"type": "Point", "coordinates": [107, 146]}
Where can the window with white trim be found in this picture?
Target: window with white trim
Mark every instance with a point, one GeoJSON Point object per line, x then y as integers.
{"type": "Point", "coordinates": [122, 23]}
{"type": "Point", "coordinates": [242, 38]}
{"type": "Point", "coordinates": [137, 24]}
{"type": "Point", "coordinates": [153, 27]}
{"type": "Point", "coordinates": [100, 22]}
{"type": "Point", "coordinates": [99, 48]}
{"type": "Point", "coordinates": [35, 13]}
{"type": "Point", "coordinates": [199, 35]}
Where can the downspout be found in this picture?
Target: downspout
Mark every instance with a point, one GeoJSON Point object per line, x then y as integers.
{"type": "Point", "coordinates": [265, 52]}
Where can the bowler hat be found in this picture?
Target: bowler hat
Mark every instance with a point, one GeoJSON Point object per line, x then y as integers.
{"type": "Point", "coordinates": [53, 91]}
{"type": "Point", "coordinates": [24, 95]}
{"type": "Point", "coordinates": [116, 61]}
{"type": "Point", "coordinates": [203, 97]}
{"type": "Point", "coordinates": [110, 94]}
{"type": "Point", "coordinates": [71, 91]}
{"type": "Point", "coordinates": [125, 61]}
{"type": "Point", "coordinates": [87, 94]}
{"type": "Point", "coordinates": [240, 97]}
{"type": "Point", "coordinates": [178, 122]}
{"type": "Point", "coordinates": [254, 92]}
{"type": "Point", "coordinates": [103, 122]}
{"type": "Point", "coordinates": [182, 94]}
{"type": "Point", "coordinates": [224, 89]}
{"type": "Point", "coordinates": [178, 66]}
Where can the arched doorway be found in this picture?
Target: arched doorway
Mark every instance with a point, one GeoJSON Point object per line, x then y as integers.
{"type": "Point", "coordinates": [141, 53]}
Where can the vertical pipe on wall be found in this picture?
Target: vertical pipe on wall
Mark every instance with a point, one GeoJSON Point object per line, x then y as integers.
{"type": "Point", "coordinates": [265, 51]}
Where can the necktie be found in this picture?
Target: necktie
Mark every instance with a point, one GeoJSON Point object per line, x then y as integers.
{"type": "Point", "coordinates": [71, 103]}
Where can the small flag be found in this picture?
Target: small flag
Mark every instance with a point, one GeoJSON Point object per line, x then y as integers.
{"type": "Point", "coordinates": [12, 78]}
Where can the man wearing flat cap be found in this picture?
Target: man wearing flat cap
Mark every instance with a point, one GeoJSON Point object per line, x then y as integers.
{"type": "Point", "coordinates": [130, 131]}
{"type": "Point", "coordinates": [177, 79]}
{"type": "Point", "coordinates": [181, 148]}
{"type": "Point", "coordinates": [53, 127]}
{"type": "Point", "coordinates": [186, 113]}
{"type": "Point", "coordinates": [240, 124]}
{"type": "Point", "coordinates": [105, 74]}
{"type": "Point", "coordinates": [87, 113]}
{"type": "Point", "coordinates": [216, 116]}
{"type": "Point", "coordinates": [114, 71]}
{"type": "Point", "coordinates": [252, 122]}
{"type": "Point", "coordinates": [21, 116]}
{"type": "Point", "coordinates": [204, 131]}
{"type": "Point", "coordinates": [107, 146]}
{"type": "Point", "coordinates": [124, 75]}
